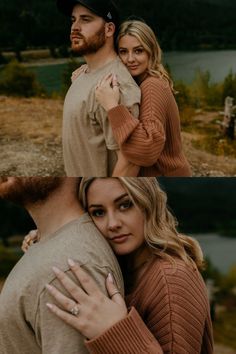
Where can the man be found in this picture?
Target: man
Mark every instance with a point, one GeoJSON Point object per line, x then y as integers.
{"type": "Point", "coordinates": [89, 147]}
{"type": "Point", "coordinates": [27, 326]}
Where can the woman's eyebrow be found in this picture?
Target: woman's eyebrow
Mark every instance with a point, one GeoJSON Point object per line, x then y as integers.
{"type": "Point", "coordinates": [120, 197]}
{"type": "Point", "coordinates": [116, 200]}
{"type": "Point", "coordinates": [94, 206]}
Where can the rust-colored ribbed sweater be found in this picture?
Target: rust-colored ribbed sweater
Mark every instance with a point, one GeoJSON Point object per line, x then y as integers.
{"type": "Point", "coordinates": [153, 141]}
{"type": "Point", "coordinates": [169, 314]}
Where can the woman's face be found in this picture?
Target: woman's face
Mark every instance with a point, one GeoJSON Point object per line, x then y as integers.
{"type": "Point", "coordinates": [133, 55]}
{"type": "Point", "coordinates": [114, 214]}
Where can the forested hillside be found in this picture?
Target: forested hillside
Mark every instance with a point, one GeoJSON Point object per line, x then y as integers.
{"type": "Point", "coordinates": [180, 25]}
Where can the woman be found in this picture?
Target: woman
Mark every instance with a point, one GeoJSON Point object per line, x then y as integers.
{"type": "Point", "coordinates": [166, 309]}
{"type": "Point", "coordinates": [153, 141]}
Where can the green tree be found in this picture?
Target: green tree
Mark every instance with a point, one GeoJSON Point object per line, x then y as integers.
{"type": "Point", "coordinates": [200, 88]}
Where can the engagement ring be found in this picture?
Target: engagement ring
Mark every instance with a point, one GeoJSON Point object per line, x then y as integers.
{"type": "Point", "coordinates": [75, 310]}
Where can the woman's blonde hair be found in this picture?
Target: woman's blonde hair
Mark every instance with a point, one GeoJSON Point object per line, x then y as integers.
{"type": "Point", "coordinates": [145, 35]}
{"type": "Point", "coordinates": [160, 231]}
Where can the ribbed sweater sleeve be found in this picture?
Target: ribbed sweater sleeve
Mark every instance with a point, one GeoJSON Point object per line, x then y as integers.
{"type": "Point", "coordinates": [173, 316]}
{"type": "Point", "coordinates": [129, 336]}
{"type": "Point", "coordinates": [143, 140]}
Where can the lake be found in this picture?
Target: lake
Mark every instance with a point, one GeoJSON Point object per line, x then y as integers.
{"type": "Point", "coordinates": [182, 65]}
{"type": "Point", "coordinates": [220, 250]}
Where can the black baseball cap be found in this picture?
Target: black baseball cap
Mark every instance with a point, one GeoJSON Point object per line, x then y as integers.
{"type": "Point", "coordinates": [103, 8]}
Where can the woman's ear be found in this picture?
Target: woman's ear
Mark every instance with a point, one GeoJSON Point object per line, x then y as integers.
{"type": "Point", "coordinates": [110, 29]}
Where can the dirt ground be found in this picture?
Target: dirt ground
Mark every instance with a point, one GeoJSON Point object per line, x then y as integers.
{"type": "Point", "coordinates": [30, 140]}
{"type": "Point", "coordinates": [30, 137]}
{"type": "Point", "coordinates": [221, 349]}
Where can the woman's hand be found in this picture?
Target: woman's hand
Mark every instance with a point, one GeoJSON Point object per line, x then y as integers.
{"type": "Point", "coordinates": [107, 92]}
{"type": "Point", "coordinates": [124, 168]}
{"type": "Point", "coordinates": [82, 69]}
{"type": "Point", "coordinates": [29, 239]}
{"type": "Point", "coordinates": [89, 311]}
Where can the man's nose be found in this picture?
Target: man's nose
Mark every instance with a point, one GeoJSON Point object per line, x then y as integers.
{"type": "Point", "coordinates": [75, 26]}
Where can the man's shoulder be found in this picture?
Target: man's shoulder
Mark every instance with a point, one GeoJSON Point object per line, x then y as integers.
{"type": "Point", "coordinates": [79, 240]}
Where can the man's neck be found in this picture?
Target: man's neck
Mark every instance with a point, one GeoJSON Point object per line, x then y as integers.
{"type": "Point", "coordinates": [58, 210]}
{"type": "Point", "coordinates": [99, 59]}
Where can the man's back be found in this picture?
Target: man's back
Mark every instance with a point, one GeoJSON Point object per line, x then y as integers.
{"type": "Point", "coordinates": [89, 147]}
{"type": "Point", "coordinates": [27, 326]}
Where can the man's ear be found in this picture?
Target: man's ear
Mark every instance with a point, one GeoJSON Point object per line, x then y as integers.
{"type": "Point", "coordinates": [110, 29]}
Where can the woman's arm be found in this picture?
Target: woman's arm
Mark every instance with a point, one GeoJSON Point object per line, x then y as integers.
{"type": "Point", "coordinates": [108, 95]}
{"type": "Point", "coordinates": [143, 140]}
{"type": "Point", "coordinates": [176, 314]}
{"type": "Point", "coordinates": [176, 311]}
{"type": "Point", "coordinates": [99, 318]}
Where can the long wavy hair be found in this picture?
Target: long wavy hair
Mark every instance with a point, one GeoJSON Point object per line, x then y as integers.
{"type": "Point", "coordinates": [160, 228]}
{"type": "Point", "coordinates": [145, 35]}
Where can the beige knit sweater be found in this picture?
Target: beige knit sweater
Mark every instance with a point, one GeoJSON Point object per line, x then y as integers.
{"type": "Point", "coordinates": [169, 314]}
{"type": "Point", "coordinates": [153, 141]}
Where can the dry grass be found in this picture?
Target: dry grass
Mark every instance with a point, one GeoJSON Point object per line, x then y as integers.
{"type": "Point", "coordinates": [208, 152]}
{"type": "Point", "coordinates": [30, 136]}
{"type": "Point", "coordinates": [30, 139]}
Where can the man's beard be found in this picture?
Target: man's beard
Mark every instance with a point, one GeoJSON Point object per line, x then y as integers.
{"type": "Point", "coordinates": [90, 45]}
{"type": "Point", "coordinates": [28, 190]}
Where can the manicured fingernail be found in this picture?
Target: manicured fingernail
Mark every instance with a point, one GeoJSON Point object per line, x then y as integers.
{"type": "Point", "coordinates": [71, 262]}
{"type": "Point", "coordinates": [56, 270]}
{"type": "Point", "coordinates": [110, 278]}
{"type": "Point", "coordinates": [49, 305]}
{"type": "Point", "coordinates": [48, 286]}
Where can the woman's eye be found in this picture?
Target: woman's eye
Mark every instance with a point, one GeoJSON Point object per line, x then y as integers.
{"type": "Point", "coordinates": [97, 213]}
{"type": "Point", "coordinates": [126, 205]}
{"type": "Point", "coordinates": [138, 51]}
{"type": "Point", "coordinates": [122, 52]}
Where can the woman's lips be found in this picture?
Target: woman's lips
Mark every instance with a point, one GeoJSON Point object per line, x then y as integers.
{"type": "Point", "coordinates": [133, 67]}
{"type": "Point", "coordinates": [120, 238]}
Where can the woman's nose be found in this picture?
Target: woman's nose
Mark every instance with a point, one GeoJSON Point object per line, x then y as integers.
{"type": "Point", "coordinates": [114, 222]}
{"type": "Point", "coordinates": [130, 57]}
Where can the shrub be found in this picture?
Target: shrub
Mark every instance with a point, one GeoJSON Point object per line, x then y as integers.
{"type": "Point", "coordinates": [186, 116]}
{"type": "Point", "coordinates": [183, 95]}
{"type": "Point", "coordinates": [3, 59]}
{"type": "Point", "coordinates": [200, 88]}
{"type": "Point", "coordinates": [16, 80]}
{"type": "Point", "coordinates": [203, 93]}
{"type": "Point", "coordinates": [229, 86]}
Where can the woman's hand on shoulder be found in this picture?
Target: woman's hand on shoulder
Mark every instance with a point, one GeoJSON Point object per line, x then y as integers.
{"type": "Point", "coordinates": [29, 239]}
{"type": "Point", "coordinates": [82, 69]}
{"type": "Point", "coordinates": [88, 310]}
{"type": "Point", "coordinates": [107, 92]}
